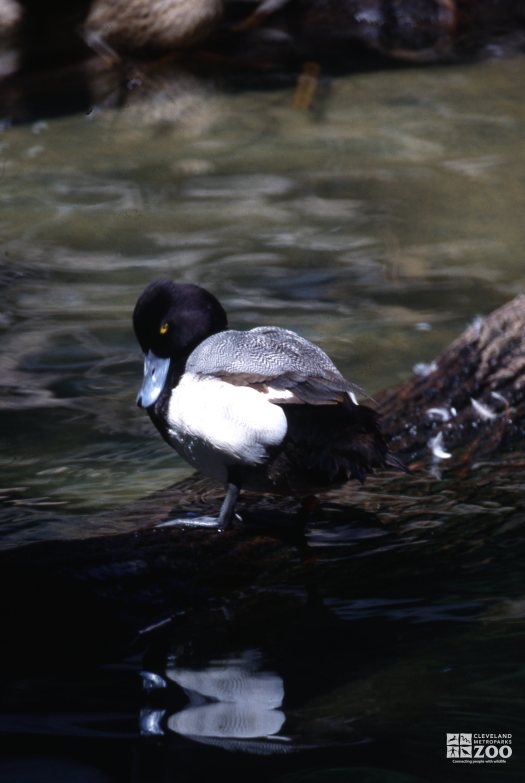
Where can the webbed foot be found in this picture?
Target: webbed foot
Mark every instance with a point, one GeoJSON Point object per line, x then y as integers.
{"type": "Point", "coordinates": [222, 522]}
{"type": "Point", "coordinates": [213, 523]}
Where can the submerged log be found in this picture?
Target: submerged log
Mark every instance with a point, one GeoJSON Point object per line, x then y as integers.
{"type": "Point", "coordinates": [96, 598]}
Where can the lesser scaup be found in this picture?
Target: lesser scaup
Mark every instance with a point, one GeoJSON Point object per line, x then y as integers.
{"type": "Point", "coordinates": [263, 409]}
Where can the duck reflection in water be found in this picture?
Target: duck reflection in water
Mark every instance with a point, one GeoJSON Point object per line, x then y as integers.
{"type": "Point", "coordinates": [231, 704]}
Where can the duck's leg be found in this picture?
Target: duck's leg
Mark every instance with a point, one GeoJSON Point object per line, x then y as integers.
{"type": "Point", "coordinates": [227, 511]}
{"type": "Point", "coordinates": [222, 522]}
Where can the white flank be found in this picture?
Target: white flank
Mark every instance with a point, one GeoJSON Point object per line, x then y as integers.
{"type": "Point", "coordinates": [224, 719]}
{"type": "Point", "coordinates": [215, 424]}
{"type": "Point", "coordinates": [232, 684]}
{"type": "Point", "coordinates": [280, 395]}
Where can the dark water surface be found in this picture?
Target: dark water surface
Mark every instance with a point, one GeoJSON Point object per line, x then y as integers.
{"type": "Point", "coordinates": [379, 225]}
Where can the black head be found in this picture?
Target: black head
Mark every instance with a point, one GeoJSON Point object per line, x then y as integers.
{"type": "Point", "coordinates": [171, 319]}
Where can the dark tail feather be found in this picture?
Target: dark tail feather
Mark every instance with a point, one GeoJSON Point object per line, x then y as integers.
{"type": "Point", "coordinates": [329, 444]}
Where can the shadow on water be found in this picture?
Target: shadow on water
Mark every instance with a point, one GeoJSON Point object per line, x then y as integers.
{"type": "Point", "coordinates": [350, 656]}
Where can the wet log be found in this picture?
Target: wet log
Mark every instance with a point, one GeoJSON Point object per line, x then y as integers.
{"type": "Point", "coordinates": [471, 399]}
{"type": "Point", "coordinates": [343, 31]}
{"type": "Point", "coordinates": [100, 598]}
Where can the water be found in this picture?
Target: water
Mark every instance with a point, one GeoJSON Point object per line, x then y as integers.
{"type": "Point", "coordinates": [377, 225]}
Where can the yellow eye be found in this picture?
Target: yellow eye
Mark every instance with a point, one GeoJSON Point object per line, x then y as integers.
{"type": "Point", "coordinates": [164, 328]}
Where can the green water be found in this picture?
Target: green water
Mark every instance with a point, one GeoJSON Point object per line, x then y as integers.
{"type": "Point", "coordinates": [378, 225]}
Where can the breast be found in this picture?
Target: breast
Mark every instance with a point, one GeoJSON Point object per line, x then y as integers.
{"type": "Point", "coordinates": [215, 425]}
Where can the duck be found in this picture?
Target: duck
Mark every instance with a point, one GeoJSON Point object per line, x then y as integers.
{"type": "Point", "coordinates": [150, 25]}
{"type": "Point", "coordinates": [262, 409]}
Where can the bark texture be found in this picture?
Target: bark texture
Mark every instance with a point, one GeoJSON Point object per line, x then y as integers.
{"type": "Point", "coordinates": [473, 393]}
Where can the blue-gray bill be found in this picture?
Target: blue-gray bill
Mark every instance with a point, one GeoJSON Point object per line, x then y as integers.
{"type": "Point", "coordinates": [155, 374]}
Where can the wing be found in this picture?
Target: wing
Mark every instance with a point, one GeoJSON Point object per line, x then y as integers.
{"type": "Point", "coordinates": [279, 363]}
